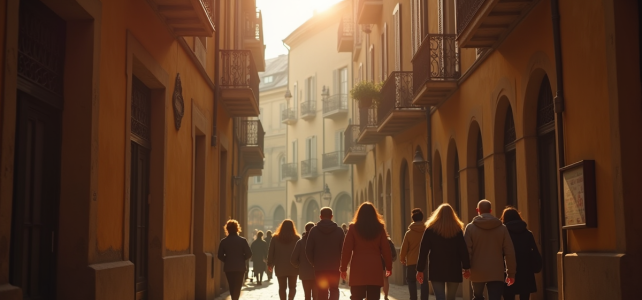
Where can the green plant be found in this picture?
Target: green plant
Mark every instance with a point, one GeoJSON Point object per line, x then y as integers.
{"type": "Point", "coordinates": [366, 90]}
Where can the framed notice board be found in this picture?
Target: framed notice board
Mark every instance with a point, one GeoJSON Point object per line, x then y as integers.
{"type": "Point", "coordinates": [579, 203]}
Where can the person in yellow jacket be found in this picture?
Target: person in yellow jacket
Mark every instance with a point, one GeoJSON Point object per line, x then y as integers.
{"type": "Point", "coordinates": [410, 253]}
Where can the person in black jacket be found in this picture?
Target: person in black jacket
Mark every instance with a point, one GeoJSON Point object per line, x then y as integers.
{"type": "Point", "coordinates": [259, 257]}
{"type": "Point", "coordinates": [443, 241]}
{"type": "Point", "coordinates": [526, 255]}
{"type": "Point", "coordinates": [306, 270]}
{"type": "Point", "coordinates": [268, 239]}
{"type": "Point", "coordinates": [233, 252]}
{"type": "Point", "coordinates": [323, 249]}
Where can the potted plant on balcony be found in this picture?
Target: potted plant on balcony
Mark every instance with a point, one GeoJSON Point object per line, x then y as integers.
{"type": "Point", "coordinates": [367, 93]}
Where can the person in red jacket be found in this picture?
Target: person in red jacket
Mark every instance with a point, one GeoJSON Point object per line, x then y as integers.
{"type": "Point", "coordinates": [364, 245]}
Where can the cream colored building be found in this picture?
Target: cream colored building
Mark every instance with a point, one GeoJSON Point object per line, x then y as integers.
{"type": "Point", "coordinates": [317, 115]}
{"type": "Point", "coordinates": [266, 193]}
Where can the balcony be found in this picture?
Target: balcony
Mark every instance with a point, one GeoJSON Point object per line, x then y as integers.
{"type": "Point", "coordinates": [308, 109]}
{"type": "Point", "coordinates": [436, 69]}
{"type": "Point", "coordinates": [309, 168]}
{"type": "Point", "coordinates": [483, 23]}
{"type": "Point", "coordinates": [335, 106]}
{"type": "Point", "coordinates": [253, 38]}
{"type": "Point", "coordinates": [368, 120]}
{"type": "Point", "coordinates": [239, 83]}
{"type": "Point", "coordinates": [356, 51]}
{"type": "Point", "coordinates": [369, 11]}
{"type": "Point", "coordinates": [290, 171]}
{"type": "Point", "coordinates": [345, 38]}
{"type": "Point", "coordinates": [186, 17]}
{"type": "Point", "coordinates": [288, 116]}
{"type": "Point", "coordinates": [396, 111]}
{"type": "Point", "coordinates": [251, 140]}
{"type": "Point", "coordinates": [354, 152]}
{"type": "Point", "coordinates": [333, 162]}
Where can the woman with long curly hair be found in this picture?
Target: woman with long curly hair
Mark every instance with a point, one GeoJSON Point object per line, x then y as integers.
{"type": "Point", "coordinates": [233, 252]}
{"type": "Point", "coordinates": [281, 248]}
{"type": "Point", "coordinates": [365, 244]}
{"type": "Point", "coordinates": [443, 245]}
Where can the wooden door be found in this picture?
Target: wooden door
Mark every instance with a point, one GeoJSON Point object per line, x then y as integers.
{"type": "Point", "coordinates": [35, 198]}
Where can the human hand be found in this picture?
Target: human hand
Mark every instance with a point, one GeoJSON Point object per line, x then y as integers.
{"type": "Point", "coordinates": [420, 277]}
{"type": "Point", "coordinates": [344, 275]}
{"type": "Point", "coordinates": [466, 273]}
{"type": "Point", "coordinates": [403, 262]}
{"type": "Point", "coordinates": [269, 268]}
{"type": "Point", "coordinates": [388, 273]}
{"type": "Point", "coordinates": [510, 281]}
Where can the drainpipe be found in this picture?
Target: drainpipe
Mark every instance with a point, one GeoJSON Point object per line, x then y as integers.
{"type": "Point", "coordinates": [559, 121]}
{"type": "Point", "coordinates": [217, 58]}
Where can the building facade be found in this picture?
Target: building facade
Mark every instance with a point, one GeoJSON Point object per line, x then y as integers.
{"type": "Point", "coordinates": [316, 115]}
{"type": "Point", "coordinates": [125, 139]}
{"type": "Point", "coordinates": [482, 99]}
{"type": "Point", "coordinates": [266, 193]}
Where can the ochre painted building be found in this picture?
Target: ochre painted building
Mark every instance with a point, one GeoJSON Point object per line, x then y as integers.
{"type": "Point", "coordinates": [489, 102]}
{"type": "Point", "coordinates": [125, 142]}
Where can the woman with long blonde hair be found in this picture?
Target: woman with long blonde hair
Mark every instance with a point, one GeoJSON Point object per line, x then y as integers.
{"type": "Point", "coordinates": [443, 241]}
{"type": "Point", "coordinates": [365, 244]}
{"type": "Point", "coordinates": [281, 248]}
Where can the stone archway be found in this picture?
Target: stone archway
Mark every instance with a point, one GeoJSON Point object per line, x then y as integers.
{"type": "Point", "coordinates": [342, 210]}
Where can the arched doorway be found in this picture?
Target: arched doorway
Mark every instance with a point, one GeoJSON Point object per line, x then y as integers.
{"type": "Point", "coordinates": [343, 209]}
{"type": "Point", "coordinates": [419, 187]}
{"type": "Point", "coordinates": [388, 200]}
{"type": "Point", "coordinates": [511, 158]}
{"type": "Point", "coordinates": [255, 220]}
{"type": "Point", "coordinates": [294, 214]}
{"type": "Point", "coordinates": [311, 212]}
{"type": "Point", "coordinates": [404, 205]}
{"type": "Point", "coordinates": [454, 192]}
{"type": "Point", "coordinates": [279, 216]}
{"type": "Point", "coordinates": [548, 186]}
{"type": "Point", "coordinates": [437, 182]}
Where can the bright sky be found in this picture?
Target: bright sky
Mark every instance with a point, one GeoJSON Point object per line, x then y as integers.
{"type": "Point", "coordinates": [281, 17]}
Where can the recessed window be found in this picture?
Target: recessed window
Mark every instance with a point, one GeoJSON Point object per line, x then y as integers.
{"type": "Point", "coordinates": [268, 79]}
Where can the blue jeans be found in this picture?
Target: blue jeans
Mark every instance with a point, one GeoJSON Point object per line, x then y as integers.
{"type": "Point", "coordinates": [495, 290]}
{"type": "Point", "coordinates": [411, 279]}
{"type": "Point", "coordinates": [445, 290]}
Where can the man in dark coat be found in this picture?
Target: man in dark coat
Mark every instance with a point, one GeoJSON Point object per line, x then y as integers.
{"type": "Point", "coordinates": [323, 250]}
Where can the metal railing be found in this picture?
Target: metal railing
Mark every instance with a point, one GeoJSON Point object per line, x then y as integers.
{"type": "Point", "coordinates": [466, 10]}
{"type": "Point", "coordinates": [346, 29]}
{"type": "Point", "coordinates": [351, 134]}
{"type": "Point", "coordinates": [251, 133]}
{"type": "Point", "coordinates": [309, 167]}
{"type": "Point", "coordinates": [289, 170]}
{"type": "Point", "coordinates": [369, 119]}
{"type": "Point", "coordinates": [288, 114]}
{"type": "Point", "coordinates": [308, 108]}
{"type": "Point", "coordinates": [334, 103]}
{"type": "Point", "coordinates": [436, 59]}
{"type": "Point", "coordinates": [254, 25]}
{"type": "Point", "coordinates": [396, 94]}
{"type": "Point", "coordinates": [333, 160]}
{"type": "Point", "coordinates": [239, 71]}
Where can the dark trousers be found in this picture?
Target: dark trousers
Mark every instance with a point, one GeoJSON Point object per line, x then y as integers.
{"type": "Point", "coordinates": [287, 282]}
{"type": "Point", "coordinates": [524, 296]}
{"type": "Point", "coordinates": [327, 284]}
{"type": "Point", "coordinates": [369, 292]}
{"type": "Point", "coordinates": [495, 290]}
{"type": "Point", "coordinates": [309, 289]}
{"type": "Point", "coordinates": [235, 281]}
{"type": "Point", "coordinates": [411, 279]}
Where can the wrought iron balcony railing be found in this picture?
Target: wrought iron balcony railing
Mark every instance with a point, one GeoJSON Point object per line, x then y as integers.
{"type": "Point", "coordinates": [238, 71]}
{"type": "Point", "coordinates": [308, 109]}
{"type": "Point", "coordinates": [335, 104]}
{"type": "Point", "coordinates": [333, 161]}
{"type": "Point", "coordinates": [466, 10]}
{"type": "Point", "coordinates": [251, 133]}
{"type": "Point", "coordinates": [353, 151]}
{"type": "Point", "coordinates": [396, 94]}
{"type": "Point", "coordinates": [369, 119]}
{"type": "Point", "coordinates": [254, 25]}
{"type": "Point", "coordinates": [289, 171]}
{"type": "Point", "coordinates": [345, 35]}
{"type": "Point", "coordinates": [309, 168]}
{"type": "Point", "coordinates": [288, 115]}
{"type": "Point", "coordinates": [437, 59]}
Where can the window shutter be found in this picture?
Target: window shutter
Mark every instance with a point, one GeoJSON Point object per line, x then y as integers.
{"type": "Point", "coordinates": [313, 145]}
{"type": "Point", "coordinates": [307, 90]}
{"type": "Point", "coordinates": [314, 88]}
{"type": "Point", "coordinates": [336, 83]}
{"type": "Point", "coordinates": [295, 157]}
{"type": "Point", "coordinates": [397, 19]}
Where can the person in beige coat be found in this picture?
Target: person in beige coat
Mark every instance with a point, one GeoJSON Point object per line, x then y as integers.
{"type": "Point", "coordinates": [410, 253]}
{"type": "Point", "coordinates": [491, 253]}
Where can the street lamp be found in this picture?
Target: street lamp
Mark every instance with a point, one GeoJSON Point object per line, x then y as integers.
{"type": "Point", "coordinates": [419, 162]}
{"type": "Point", "coordinates": [326, 196]}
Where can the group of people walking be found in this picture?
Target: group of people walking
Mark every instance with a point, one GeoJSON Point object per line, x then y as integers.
{"type": "Point", "coordinates": [497, 255]}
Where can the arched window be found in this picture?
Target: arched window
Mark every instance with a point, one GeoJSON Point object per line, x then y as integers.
{"type": "Point", "coordinates": [480, 167]}
{"type": "Point", "coordinates": [281, 163]}
{"type": "Point", "coordinates": [255, 220]}
{"type": "Point", "coordinates": [457, 185]}
{"type": "Point", "coordinates": [279, 216]}
{"type": "Point", "coordinates": [511, 159]}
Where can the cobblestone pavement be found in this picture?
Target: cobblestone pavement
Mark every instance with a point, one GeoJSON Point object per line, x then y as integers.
{"type": "Point", "coordinates": [270, 290]}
